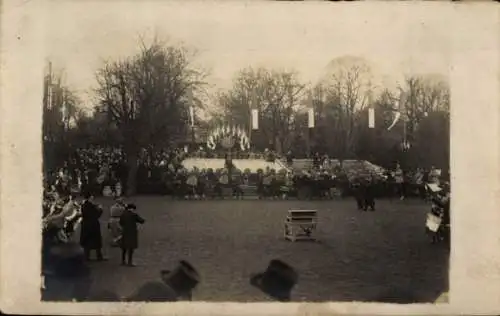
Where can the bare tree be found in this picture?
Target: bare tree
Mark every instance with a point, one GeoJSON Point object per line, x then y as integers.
{"type": "Point", "coordinates": [423, 95]}
{"type": "Point", "coordinates": [146, 96]}
{"type": "Point", "coordinates": [276, 94]}
{"type": "Point", "coordinates": [344, 95]}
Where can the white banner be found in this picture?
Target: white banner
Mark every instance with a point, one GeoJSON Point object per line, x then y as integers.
{"type": "Point", "coordinates": [255, 119]}
{"type": "Point", "coordinates": [64, 109]}
{"type": "Point", "coordinates": [371, 118]}
{"type": "Point", "coordinates": [191, 115]}
{"type": "Point", "coordinates": [310, 121]}
{"type": "Point", "coordinates": [49, 96]}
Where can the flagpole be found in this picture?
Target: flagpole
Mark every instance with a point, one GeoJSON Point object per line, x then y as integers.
{"type": "Point", "coordinates": [250, 128]}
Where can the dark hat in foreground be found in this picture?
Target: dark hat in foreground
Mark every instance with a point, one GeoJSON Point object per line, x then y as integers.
{"type": "Point", "coordinates": [131, 207]}
{"type": "Point", "coordinates": [277, 281]}
{"type": "Point", "coordinates": [183, 279]}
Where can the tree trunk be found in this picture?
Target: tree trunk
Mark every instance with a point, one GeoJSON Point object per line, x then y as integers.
{"type": "Point", "coordinates": [277, 145]}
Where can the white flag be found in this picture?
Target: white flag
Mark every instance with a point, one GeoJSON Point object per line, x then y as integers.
{"type": "Point", "coordinates": [371, 118]}
{"type": "Point", "coordinates": [64, 109]}
{"type": "Point", "coordinates": [310, 121]}
{"type": "Point", "coordinates": [397, 115]}
{"type": "Point", "coordinates": [255, 119]}
{"type": "Point", "coordinates": [191, 115]}
{"type": "Point", "coordinates": [49, 96]}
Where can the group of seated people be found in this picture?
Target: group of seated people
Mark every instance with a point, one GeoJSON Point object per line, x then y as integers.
{"type": "Point", "coordinates": [268, 183]}
{"type": "Point", "coordinates": [104, 171]}
{"type": "Point", "coordinates": [60, 216]}
{"type": "Point", "coordinates": [94, 168]}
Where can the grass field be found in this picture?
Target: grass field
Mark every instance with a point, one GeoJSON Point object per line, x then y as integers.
{"type": "Point", "coordinates": [359, 256]}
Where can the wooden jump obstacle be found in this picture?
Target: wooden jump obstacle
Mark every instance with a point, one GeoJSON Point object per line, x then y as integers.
{"type": "Point", "coordinates": [300, 224]}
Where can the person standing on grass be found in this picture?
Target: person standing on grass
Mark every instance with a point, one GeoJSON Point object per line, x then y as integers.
{"type": "Point", "coordinates": [129, 240]}
{"type": "Point", "coordinates": [399, 178]}
{"type": "Point", "coordinates": [90, 232]}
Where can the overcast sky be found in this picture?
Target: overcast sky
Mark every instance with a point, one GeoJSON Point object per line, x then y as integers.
{"type": "Point", "coordinates": [231, 35]}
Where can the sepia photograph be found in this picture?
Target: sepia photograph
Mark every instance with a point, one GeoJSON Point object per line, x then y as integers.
{"type": "Point", "coordinates": [242, 161]}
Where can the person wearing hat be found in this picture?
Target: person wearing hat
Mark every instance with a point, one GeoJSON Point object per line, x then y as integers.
{"type": "Point", "coordinates": [277, 281]}
{"type": "Point", "coordinates": [129, 240]}
{"type": "Point", "coordinates": [175, 285]}
{"type": "Point", "coordinates": [90, 232]}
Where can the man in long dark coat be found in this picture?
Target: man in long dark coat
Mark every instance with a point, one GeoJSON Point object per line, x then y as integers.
{"type": "Point", "coordinates": [129, 241]}
{"type": "Point", "coordinates": [90, 235]}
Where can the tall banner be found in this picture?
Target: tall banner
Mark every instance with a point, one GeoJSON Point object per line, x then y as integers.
{"type": "Point", "coordinates": [255, 119]}
{"type": "Point", "coordinates": [371, 118]}
{"type": "Point", "coordinates": [191, 107]}
{"type": "Point", "coordinates": [310, 111]}
{"type": "Point", "coordinates": [191, 115]}
{"type": "Point", "coordinates": [64, 109]}
{"type": "Point", "coordinates": [49, 96]}
{"type": "Point", "coordinates": [310, 119]}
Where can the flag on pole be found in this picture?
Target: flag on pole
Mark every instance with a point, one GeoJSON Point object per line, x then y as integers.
{"type": "Point", "coordinates": [310, 121]}
{"type": "Point", "coordinates": [310, 112]}
{"type": "Point", "coordinates": [397, 116]}
{"type": "Point", "coordinates": [255, 119]}
{"type": "Point", "coordinates": [397, 113]}
{"type": "Point", "coordinates": [191, 115]}
{"type": "Point", "coordinates": [254, 111]}
{"type": "Point", "coordinates": [191, 107]}
{"type": "Point", "coordinates": [49, 96]}
{"type": "Point", "coordinates": [371, 118]}
{"type": "Point", "coordinates": [64, 109]}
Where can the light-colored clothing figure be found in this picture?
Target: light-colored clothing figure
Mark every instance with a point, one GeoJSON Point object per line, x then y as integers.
{"type": "Point", "coordinates": [434, 175]}
{"type": "Point", "coordinates": [398, 175]}
{"type": "Point", "coordinates": [419, 177]}
{"type": "Point", "coordinates": [115, 229]}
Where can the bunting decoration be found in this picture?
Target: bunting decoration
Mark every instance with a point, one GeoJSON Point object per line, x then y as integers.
{"type": "Point", "coordinates": [235, 131]}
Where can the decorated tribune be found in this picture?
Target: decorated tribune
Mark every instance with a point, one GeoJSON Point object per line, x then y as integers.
{"type": "Point", "coordinates": [227, 136]}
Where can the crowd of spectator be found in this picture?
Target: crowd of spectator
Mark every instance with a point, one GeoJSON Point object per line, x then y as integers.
{"type": "Point", "coordinates": [104, 170]}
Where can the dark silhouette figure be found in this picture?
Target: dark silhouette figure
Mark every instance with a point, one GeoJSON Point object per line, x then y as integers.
{"type": "Point", "coordinates": [90, 237]}
{"type": "Point", "coordinates": [130, 234]}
